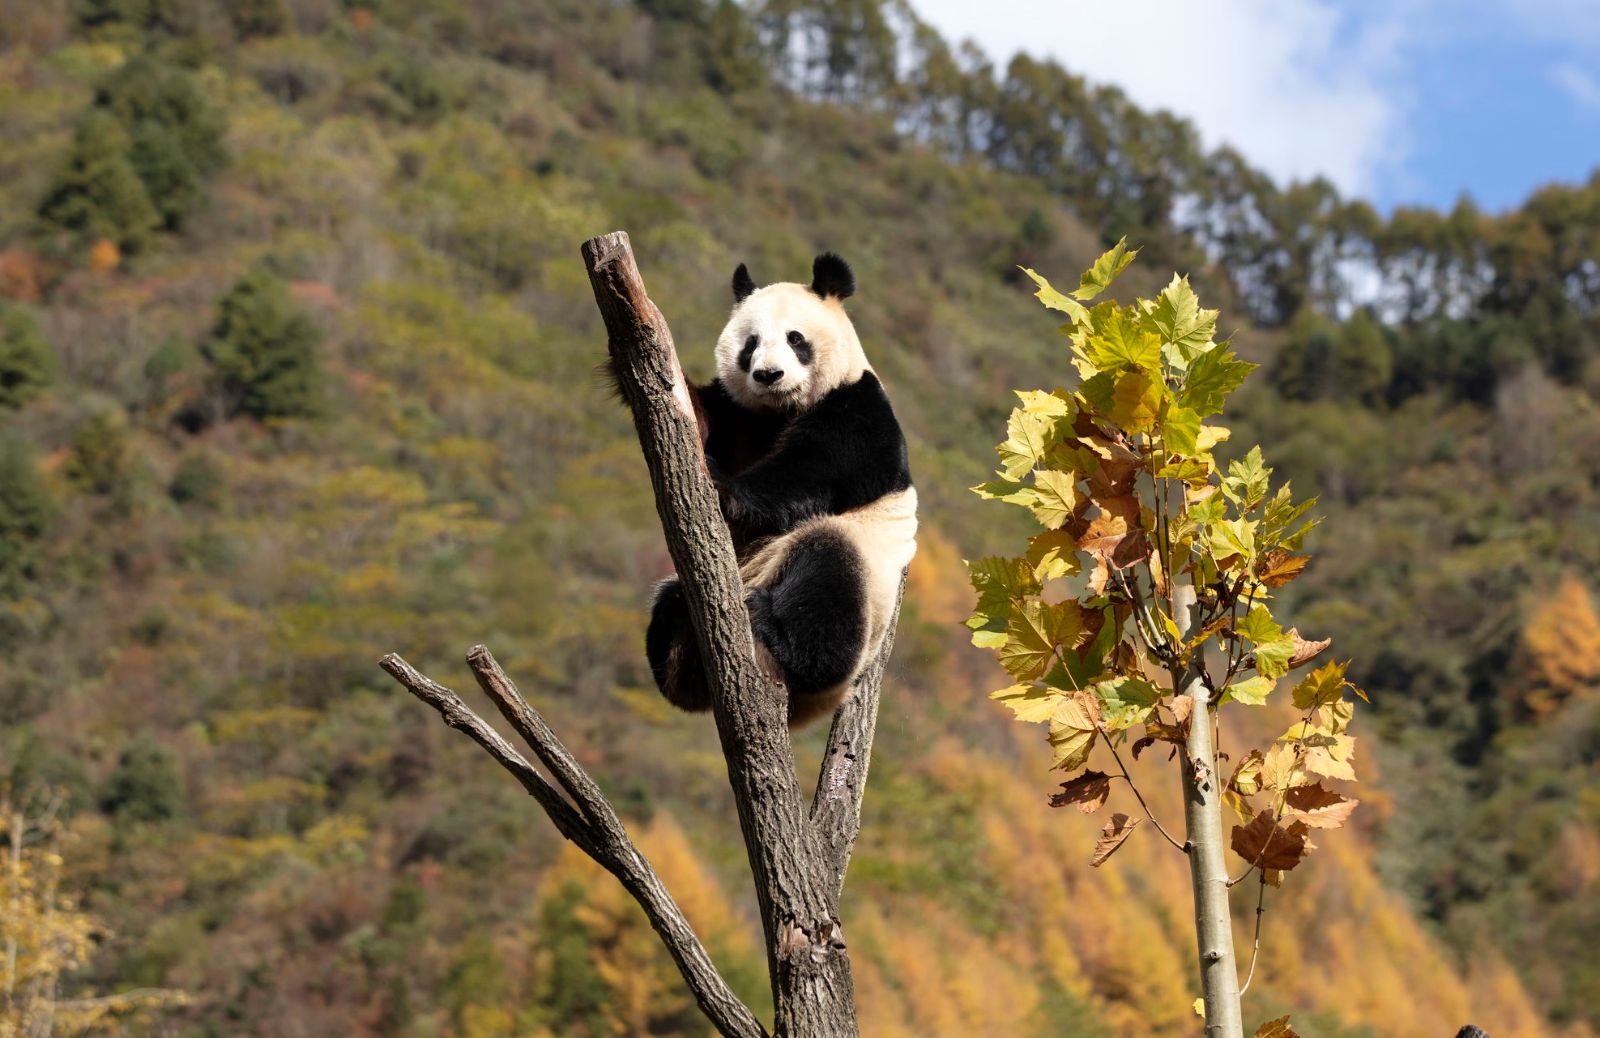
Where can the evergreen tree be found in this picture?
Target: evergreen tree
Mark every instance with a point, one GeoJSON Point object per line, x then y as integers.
{"type": "Point", "coordinates": [264, 349]}
{"type": "Point", "coordinates": [1362, 362]}
{"type": "Point", "coordinates": [169, 178]}
{"type": "Point", "coordinates": [147, 90]}
{"type": "Point", "coordinates": [24, 511]}
{"type": "Point", "coordinates": [25, 357]}
{"type": "Point", "coordinates": [97, 193]}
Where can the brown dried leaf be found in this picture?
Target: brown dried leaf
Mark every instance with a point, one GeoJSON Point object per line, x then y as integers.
{"type": "Point", "coordinates": [1318, 807]}
{"type": "Point", "coordinates": [1268, 844]}
{"type": "Point", "coordinates": [1278, 1028]}
{"type": "Point", "coordinates": [1277, 567]}
{"type": "Point", "coordinates": [1182, 707]}
{"type": "Point", "coordinates": [1304, 651]}
{"type": "Point", "coordinates": [1112, 836]}
{"type": "Point", "coordinates": [1141, 744]}
{"type": "Point", "coordinates": [1087, 792]}
{"type": "Point", "coordinates": [1202, 771]}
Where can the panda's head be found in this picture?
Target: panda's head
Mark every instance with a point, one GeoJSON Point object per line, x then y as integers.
{"type": "Point", "coordinates": [787, 345]}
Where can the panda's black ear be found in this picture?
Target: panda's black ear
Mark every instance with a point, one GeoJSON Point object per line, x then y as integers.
{"type": "Point", "coordinates": [831, 276]}
{"type": "Point", "coordinates": [743, 284]}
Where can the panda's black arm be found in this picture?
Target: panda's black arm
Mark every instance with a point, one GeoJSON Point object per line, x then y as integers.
{"type": "Point", "coordinates": [846, 452]}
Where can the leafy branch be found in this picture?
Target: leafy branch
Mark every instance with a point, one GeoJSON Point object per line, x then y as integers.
{"type": "Point", "coordinates": [1157, 568]}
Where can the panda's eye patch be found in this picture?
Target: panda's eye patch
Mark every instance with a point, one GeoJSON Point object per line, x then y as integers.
{"type": "Point", "coordinates": [801, 348]}
{"type": "Point", "coordinates": [749, 349]}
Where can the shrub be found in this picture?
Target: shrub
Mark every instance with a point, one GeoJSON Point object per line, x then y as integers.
{"type": "Point", "coordinates": [145, 787]}
{"type": "Point", "coordinates": [197, 482]}
{"type": "Point", "coordinates": [264, 350]}
{"type": "Point", "coordinates": [26, 360]}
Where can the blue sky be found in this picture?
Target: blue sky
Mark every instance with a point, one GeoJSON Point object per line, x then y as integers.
{"type": "Point", "coordinates": [1398, 101]}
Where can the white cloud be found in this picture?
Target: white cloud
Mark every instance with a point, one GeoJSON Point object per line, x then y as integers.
{"type": "Point", "coordinates": [1295, 85]}
{"type": "Point", "coordinates": [1578, 84]}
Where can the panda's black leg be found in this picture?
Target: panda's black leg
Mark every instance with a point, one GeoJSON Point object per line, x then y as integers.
{"type": "Point", "coordinates": [673, 652]}
{"type": "Point", "coordinates": [812, 619]}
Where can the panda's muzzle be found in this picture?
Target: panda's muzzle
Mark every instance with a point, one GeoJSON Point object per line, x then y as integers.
{"type": "Point", "coordinates": [767, 376]}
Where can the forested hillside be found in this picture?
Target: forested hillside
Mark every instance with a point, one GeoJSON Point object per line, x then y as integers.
{"type": "Point", "coordinates": [295, 370]}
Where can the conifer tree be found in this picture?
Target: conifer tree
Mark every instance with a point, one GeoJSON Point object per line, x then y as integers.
{"type": "Point", "coordinates": [264, 349]}
{"type": "Point", "coordinates": [97, 194]}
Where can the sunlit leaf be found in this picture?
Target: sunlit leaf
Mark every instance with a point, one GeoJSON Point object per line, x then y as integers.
{"type": "Point", "coordinates": [1126, 701]}
{"type": "Point", "coordinates": [1056, 497]}
{"type": "Point", "coordinates": [1055, 300]}
{"type": "Point", "coordinates": [1181, 431]}
{"type": "Point", "coordinates": [1029, 702]}
{"type": "Point", "coordinates": [1251, 691]}
{"type": "Point", "coordinates": [1105, 270]}
{"type": "Point", "coordinates": [1211, 377]}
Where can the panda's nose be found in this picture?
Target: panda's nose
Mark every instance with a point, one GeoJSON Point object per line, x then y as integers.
{"type": "Point", "coordinates": [767, 376]}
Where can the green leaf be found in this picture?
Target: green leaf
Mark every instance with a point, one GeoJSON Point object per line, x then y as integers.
{"type": "Point", "coordinates": [1272, 658]}
{"type": "Point", "coordinates": [1234, 537]}
{"type": "Point", "coordinates": [1055, 300]}
{"type": "Point", "coordinates": [1259, 626]}
{"type": "Point", "coordinates": [1212, 376]}
{"type": "Point", "coordinates": [1008, 490]}
{"type": "Point", "coordinates": [1251, 691]}
{"type": "Point", "coordinates": [1126, 701]}
{"type": "Point", "coordinates": [1105, 270]}
{"type": "Point", "coordinates": [1247, 479]}
{"type": "Point", "coordinates": [1178, 319]}
{"type": "Point", "coordinates": [1029, 702]}
{"type": "Point", "coordinates": [1211, 510]}
{"type": "Point", "coordinates": [1056, 496]}
{"type": "Point", "coordinates": [1030, 437]}
{"type": "Point", "coordinates": [1181, 431]}
{"type": "Point", "coordinates": [1035, 630]}
{"type": "Point", "coordinates": [1121, 343]}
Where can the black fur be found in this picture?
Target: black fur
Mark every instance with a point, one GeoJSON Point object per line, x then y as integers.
{"type": "Point", "coordinates": [845, 452]}
{"type": "Point", "coordinates": [673, 652]}
{"type": "Point", "coordinates": [831, 276]}
{"type": "Point", "coordinates": [801, 347]}
{"type": "Point", "coordinates": [813, 617]}
{"type": "Point", "coordinates": [743, 283]}
{"type": "Point", "coordinates": [748, 351]}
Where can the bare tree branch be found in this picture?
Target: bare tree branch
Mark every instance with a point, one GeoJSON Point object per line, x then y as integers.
{"type": "Point", "coordinates": [836, 803]}
{"type": "Point", "coordinates": [592, 825]}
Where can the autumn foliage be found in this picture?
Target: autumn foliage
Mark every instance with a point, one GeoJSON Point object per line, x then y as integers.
{"type": "Point", "coordinates": [1157, 566]}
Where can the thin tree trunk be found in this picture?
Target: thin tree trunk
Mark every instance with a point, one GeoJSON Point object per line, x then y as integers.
{"type": "Point", "coordinates": [1208, 868]}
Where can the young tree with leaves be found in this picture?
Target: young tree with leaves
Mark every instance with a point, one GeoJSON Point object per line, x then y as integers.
{"type": "Point", "coordinates": [1144, 606]}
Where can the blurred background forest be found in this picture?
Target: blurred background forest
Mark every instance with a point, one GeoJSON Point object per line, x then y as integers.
{"type": "Point", "coordinates": [295, 353]}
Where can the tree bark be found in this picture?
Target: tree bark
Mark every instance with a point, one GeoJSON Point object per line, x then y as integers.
{"type": "Point", "coordinates": [1208, 868]}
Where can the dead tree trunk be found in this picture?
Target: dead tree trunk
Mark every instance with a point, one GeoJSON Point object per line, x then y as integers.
{"type": "Point", "coordinates": [798, 854]}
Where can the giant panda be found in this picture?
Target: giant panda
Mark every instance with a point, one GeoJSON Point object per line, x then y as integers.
{"type": "Point", "coordinates": [811, 470]}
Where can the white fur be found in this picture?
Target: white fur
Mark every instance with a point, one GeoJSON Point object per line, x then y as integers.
{"type": "Point", "coordinates": [771, 313]}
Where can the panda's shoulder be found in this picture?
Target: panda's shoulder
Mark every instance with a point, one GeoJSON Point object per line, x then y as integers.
{"type": "Point", "coordinates": [860, 401]}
